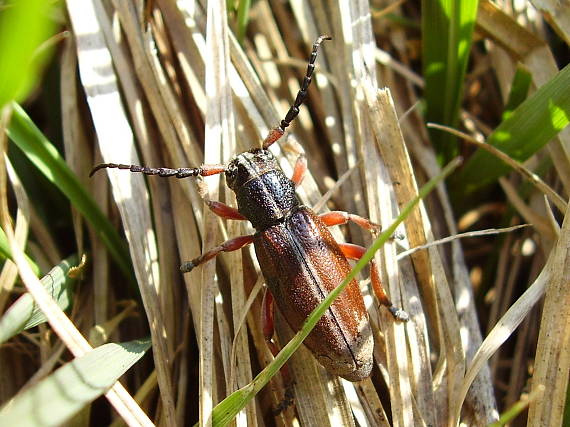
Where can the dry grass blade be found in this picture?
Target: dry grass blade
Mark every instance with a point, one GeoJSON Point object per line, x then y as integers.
{"type": "Point", "coordinates": [396, 158]}
{"type": "Point", "coordinates": [9, 270]}
{"type": "Point", "coordinates": [171, 86]}
{"type": "Point", "coordinates": [512, 319]}
{"type": "Point", "coordinates": [557, 15]}
{"type": "Point", "coordinates": [129, 191]}
{"type": "Point", "coordinates": [460, 236]}
{"type": "Point", "coordinates": [542, 225]}
{"type": "Point", "coordinates": [552, 357]}
{"type": "Point", "coordinates": [219, 132]}
{"type": "Point", "coordinates": [380, 200]}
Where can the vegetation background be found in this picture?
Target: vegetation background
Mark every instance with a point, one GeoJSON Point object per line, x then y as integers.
{"type": "Point", "coordinates": [403, 88]}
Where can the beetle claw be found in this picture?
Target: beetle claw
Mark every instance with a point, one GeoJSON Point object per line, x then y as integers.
{"type": "Point", "coordinates": [288, 399]}
{"type": "Point", "coordinates": [399, 314]}
{"type": "Point", "coordinates": [187, 267]}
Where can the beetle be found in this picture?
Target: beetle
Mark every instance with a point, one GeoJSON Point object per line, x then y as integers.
{"type": "Point", "coordinates": [299, 258]}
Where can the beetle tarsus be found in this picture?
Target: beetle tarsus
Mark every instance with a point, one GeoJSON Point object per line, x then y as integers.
{"type": "Point", "coordinates": [187, 267]}
{"type": "Point", "coordinates": [287, 401]}
{"type": "Point", "coordinates": [399, 314]}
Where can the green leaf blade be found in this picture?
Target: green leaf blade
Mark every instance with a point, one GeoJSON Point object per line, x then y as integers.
{"type": "Point", "coordinates": [519, 91]}
{"type": "Point", "coordinates": [24, 26]}
{"type": "Point", "coordinates": [447, 28]}
{"type": "Point", "coordinates": [25, 314]}
{"type": "Point", "coordinates": [529, 128]}
{"type": "Point", "coordinates": [58, 397]}
{"type": "Point", "coordinates": [24, 133]}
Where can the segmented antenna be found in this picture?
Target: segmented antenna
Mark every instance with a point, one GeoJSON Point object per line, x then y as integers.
{"type": "Point", "coordinates": [293, 112]}
{"type": "Point", "coordinates": [204, 170]}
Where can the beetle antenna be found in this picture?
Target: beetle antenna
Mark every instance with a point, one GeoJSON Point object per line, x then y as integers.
{"type": "Point", "coordinates": [293, 112]}
{"type": "Point", "coordinates": [204, 170]}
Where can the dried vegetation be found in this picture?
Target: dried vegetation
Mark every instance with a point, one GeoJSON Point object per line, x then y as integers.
{"type": "Point", "coordinates": [184, 91]}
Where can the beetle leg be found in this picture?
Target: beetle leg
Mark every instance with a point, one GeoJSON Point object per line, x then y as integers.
{"type": "Point", "coordinates": [228, 246]}
{"type": "Point", "coordinates": [267, 325]}
{"type": "Point", "coordinates": [224, 211]}
{"type": "Point", "coordinates": [293, 112]}
{"type": "Point", "coordinates": [300, 169]}
{"type": "Point", "coordinates": [341, 217]}
{"type": "Point", "coordinates": [355, 252]}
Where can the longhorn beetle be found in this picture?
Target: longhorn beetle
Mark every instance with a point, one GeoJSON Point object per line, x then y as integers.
{"type": "Point", "coordinates": [300, 260]}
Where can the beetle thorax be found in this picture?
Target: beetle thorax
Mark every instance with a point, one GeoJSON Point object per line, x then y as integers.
{"type": "Point", "coordinates": [264, 194]}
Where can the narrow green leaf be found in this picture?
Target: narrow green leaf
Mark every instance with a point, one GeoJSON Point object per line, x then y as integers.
{"type": "Point", "coordinates": [6, 252]}
{"type": "Point", "coordinates": [24, 133]}
{"type": "Point", "coordinates": [447, 29]}
{"type": "Point", "coordinates": [25, 314]}
{"type": "Point", "coordinates": [228, 408]}
{"type": "Point", "coordinates": [242, 18]}
{"type": "Point", "coordinates": [535, 122]}
{"type": "Point", "coordinates": [519, 90]}
{"type": "Point", "coordinates": [58, 397]}
{"type": "Point", "coordinates": [24, 25]}
{"type": "Point", "coordinates": [517, 408]}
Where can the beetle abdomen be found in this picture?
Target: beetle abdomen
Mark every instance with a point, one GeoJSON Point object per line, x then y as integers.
{"type": "Point", "coordinates": [302, 263]}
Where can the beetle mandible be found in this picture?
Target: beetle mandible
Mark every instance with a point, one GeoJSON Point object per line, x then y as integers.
{"type": "Point", "coordinates": [300, 260]}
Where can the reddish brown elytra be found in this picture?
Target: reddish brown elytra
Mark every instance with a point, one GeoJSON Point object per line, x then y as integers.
{"type": "Point", "coordinates": [300, 260]}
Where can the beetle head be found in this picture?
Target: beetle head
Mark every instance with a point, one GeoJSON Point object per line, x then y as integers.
{"type": "Point", "coordinates": [249, 165]}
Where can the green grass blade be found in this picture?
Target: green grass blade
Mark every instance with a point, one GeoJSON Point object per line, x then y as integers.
{"type": "Point", "coordinates": [6, 252]}
{"type": "Point", "coordinates": [24, 133]}
{"type": "Point", "coordinates": [517, 408]}
{"type": "Point", "coordinates": [519, 91]}
{"type": "Point", "coordinates": [25, 314]}
{"type": "Point", "coordinates": [4, 246]}
{"type": "Point", "coordinates": [227, 409]}
{"type": "Point", "coordinates": [535, 122]}
{"type": "Point", "coordinates": [24, 26]}
{"type": "Point", "coordinates": [58, 397]}
{"type": "Point", "coordinates": [447, 28]}
{"type": "Point", "coordinates": [242, 18]}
